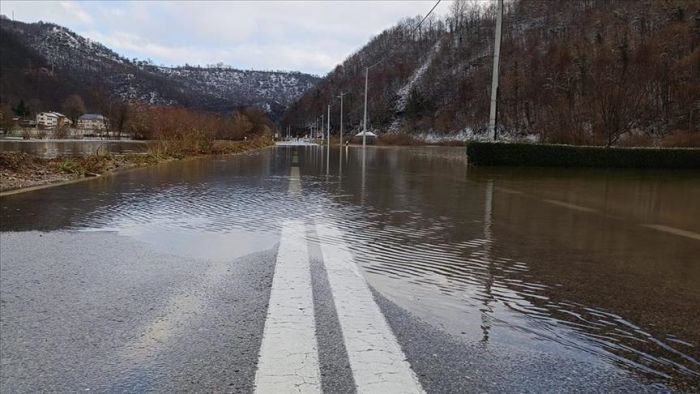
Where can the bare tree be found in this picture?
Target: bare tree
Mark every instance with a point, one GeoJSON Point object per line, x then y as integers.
{"type": "Point", "coordinates": [73, 107]}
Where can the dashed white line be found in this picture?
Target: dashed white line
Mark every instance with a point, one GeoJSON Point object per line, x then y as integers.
{"type": "Point", "coordinates": [377, 361]}
{"type": "Point", "coordinates": [288, 359]}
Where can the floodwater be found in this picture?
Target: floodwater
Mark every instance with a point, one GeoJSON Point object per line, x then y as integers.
{"type": "Point", "coordinates": [50, 149]}
{"type": "Point", "coordinates": [595, 265]}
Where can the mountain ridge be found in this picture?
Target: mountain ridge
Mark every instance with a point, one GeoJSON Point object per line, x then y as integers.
{"type": "Point", "coordinates": [59, 54]}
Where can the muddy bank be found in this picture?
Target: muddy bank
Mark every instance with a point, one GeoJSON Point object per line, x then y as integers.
{"type": "Point", "coordinates": [20, 170]}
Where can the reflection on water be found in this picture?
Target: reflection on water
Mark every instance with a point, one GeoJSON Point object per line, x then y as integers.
{"type": "Point", "coordinates": [50, 149]}
{"type": "Point", "coordinates": [551, 260]}
{"type": "Point", "coordinates": [561, 261]}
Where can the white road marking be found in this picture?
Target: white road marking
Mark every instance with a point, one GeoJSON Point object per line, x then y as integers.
{"type": "Point", "coordinates": [288, 359]}
{"type": "Point", "coordinates": [674, 231]}
{"type": "Point", "coordinates": [294, 182]}
{"type": "Point", "coordinates": [377, 361]}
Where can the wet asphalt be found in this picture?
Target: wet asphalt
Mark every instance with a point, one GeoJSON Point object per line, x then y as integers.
{"type": "Point", "coordinates": [101, 311]}
{"type": "Point", "coordinates": [95, 311]}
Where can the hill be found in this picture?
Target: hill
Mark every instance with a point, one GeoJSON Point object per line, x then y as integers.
{"type": "Point", "coordinates": [597, 72]}
{"type": "Point", "coordinates": [43, 63]}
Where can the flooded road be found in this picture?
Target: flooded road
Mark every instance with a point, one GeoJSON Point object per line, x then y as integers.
{"type": "Point", "coordinates": [491, 279]}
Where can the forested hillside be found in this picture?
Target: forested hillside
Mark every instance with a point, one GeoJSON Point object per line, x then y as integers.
{"type": "Point", "coordinates": [584, 72]}
{"type": "Point", "coordinates": [42, 64]}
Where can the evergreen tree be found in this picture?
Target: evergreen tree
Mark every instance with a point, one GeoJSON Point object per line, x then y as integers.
{"type": "Point", "coordinates": [21, 110]}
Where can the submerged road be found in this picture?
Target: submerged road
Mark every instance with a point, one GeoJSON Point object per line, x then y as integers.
{"type": "Point", "coordinates": [296, 270]}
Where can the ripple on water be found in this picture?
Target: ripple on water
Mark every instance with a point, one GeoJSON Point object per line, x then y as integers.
{"type": "Point", "coordinates": [418, 257]}
{"type": "Point", "coordinates": [415, 257]}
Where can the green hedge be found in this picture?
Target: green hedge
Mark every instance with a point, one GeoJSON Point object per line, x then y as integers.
{"type": "Point", "coordinates": [542, 155]}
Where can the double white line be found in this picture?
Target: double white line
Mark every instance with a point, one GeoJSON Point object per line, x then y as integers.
{"type": "Point", "coordinates": [288, 359]}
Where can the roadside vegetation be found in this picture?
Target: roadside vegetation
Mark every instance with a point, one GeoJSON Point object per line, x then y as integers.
{"type": "Point", "coordinates": [20, 170]}
{"type": "Point", "coordinates": [406, 139]}
{"type": "Point", "coordinates": [547, 155]}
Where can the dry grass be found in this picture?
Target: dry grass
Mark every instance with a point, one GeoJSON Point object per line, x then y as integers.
{"type": "Point", "coordinates": [19, 170]}
{"type": "Point", "coordinates": [398, 140]}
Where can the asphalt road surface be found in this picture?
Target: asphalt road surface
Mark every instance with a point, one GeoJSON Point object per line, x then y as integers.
{"type": "Point", "coordinates": [272, 273]}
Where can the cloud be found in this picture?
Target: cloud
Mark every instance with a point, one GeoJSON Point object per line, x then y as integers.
{"type": "Point", "coordinates": [75, 11]}
{"type": "Point", "coordinates": [309, 36]}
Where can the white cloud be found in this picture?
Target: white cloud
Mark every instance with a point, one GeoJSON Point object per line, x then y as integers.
{"type": "Point", "coordinates": [309, 36]}
{"type": "Point", "coordinates": [75, 11]}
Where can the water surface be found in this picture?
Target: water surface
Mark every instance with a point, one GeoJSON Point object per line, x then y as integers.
{"type": "Point", "coordinates": [594, 265]}
{"type": "Point", "coordinates": [50, 149]}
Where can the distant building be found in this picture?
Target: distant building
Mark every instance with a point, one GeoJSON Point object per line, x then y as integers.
{"type": "Point", "coordinates": [94, 122]}
{"type": "Point", "coordinates": [51, 120]}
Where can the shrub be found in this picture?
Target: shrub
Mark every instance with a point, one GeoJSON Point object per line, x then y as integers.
{"type": "Point", "coordinates": [70, 166]}
{"type": "Point", "coordinates": [542, 155]}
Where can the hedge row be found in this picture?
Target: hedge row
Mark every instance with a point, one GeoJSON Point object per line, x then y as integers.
{"type": "Point", "coordinates": [542, 155]}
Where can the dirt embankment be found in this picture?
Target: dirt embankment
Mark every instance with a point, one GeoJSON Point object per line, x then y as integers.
{"type": "Point", "coordinates": [21, 170]}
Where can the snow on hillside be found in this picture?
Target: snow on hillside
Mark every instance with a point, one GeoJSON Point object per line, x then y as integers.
{"type": "Point", "coordinates": [228, 82]}
{"type": "Point", "coordinates": [211, 88]}
{"type": "Point", "coordinates": [405, 91]}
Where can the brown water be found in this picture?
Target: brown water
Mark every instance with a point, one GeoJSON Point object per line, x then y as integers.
{"type": "Point", "coordinates": [50, 149]}
{"type": "Point", "coordinates": [597, 265]}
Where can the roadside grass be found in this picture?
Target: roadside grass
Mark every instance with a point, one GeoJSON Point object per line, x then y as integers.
{"type": "Point", "coordinates": [199, 144]}
{"type": "Point", "coordinates": [20, 170]}
{"type": "Point", "coordinates": [399, 139]}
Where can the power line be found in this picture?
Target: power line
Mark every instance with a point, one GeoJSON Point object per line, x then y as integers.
{"type": "Point", "coordinates": [364, 123]}
{"type": "Point", "coordinates": [412, 32]}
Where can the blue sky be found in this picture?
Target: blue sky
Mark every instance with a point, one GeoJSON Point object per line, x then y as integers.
{"type": "Point", "coordinates": [308, 36]}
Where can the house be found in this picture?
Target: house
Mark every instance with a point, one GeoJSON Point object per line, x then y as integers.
{"type": "Point", "coordinates": [93, 122]}
{"type": "Point", "coordinates": [51, 120]}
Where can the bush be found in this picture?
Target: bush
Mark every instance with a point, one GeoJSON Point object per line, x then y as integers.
{"type": "Point", "coordinates": [70, 166]}
{"type": "Point", "coordinates": [542, 155]}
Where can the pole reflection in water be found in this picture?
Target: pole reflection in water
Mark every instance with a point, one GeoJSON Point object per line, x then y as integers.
{"type": "Point", "coordinates": [328, 158]}
{"type": "Point", "coordinates": [340, 166]}
{"type": "Point", "coordinates": [486, 310]}
{"type": "Point", "coordinates": [364, 170]}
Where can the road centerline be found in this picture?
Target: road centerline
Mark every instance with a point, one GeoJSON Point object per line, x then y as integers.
{"type": "Point", "coordinates": [377, 361]}
{"type": "Point", "coordinates": [288, 358]}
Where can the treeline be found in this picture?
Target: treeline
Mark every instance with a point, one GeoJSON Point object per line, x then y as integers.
{"type": "Point", "coordinates": [167, 123]}
{"type": "Point", "coordinates": [146, 122]}
{"type": "Point", "coordinates": [601, 72]}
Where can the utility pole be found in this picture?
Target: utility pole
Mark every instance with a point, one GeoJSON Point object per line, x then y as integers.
{"type": "Point", "coordinates": [322, 133]}
{"type": "Point", "coordinates": [364, 132]}
{"type": "Point", "coordinates": [494, 80]}
{"type": "Point", "coordinates": [341, 116]}
{"type": "Point", "coordinates": [328, 140]}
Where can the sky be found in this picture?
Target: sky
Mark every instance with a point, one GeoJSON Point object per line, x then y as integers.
{"type": "Point", "coordinates": [306, 36]}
